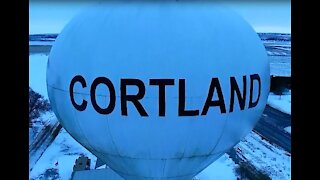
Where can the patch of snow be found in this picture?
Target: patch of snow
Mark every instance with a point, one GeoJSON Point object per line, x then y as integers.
{"type": "Point", "coordinates": [47, 117]}
{"type": "Point", "coordinates": [37, 73]}
{"type": "Point", "coordinates": [103, 167]}
{"type": "Point", "coordinates": [274, 161]}
{"type": "Point", "coordinates": [38, 43]}
{"type": "Point", "coordinates": [64, 150]}
{"type": "Point", "coordinates": [282, 103]}
{"type": "Point", "coordinates": [288, 129]}
{"type": "Point", "coordinates": [280, 69]}
{"type": "Point", "coordinates": [65, 166]}
{"type": "Point", "coordinates": [222, 168]}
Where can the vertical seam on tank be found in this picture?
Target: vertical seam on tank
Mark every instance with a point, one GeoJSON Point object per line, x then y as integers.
{"type": "Point", "coordinates": [108, 131]}
{"type": "Point", "coordinates": [105, 21]}
{"type": "Point", "coordinates": [111, 137]}
{"type": "Point", "coordinates": [185, 142]}
{"type": "Point", "coordinates": [76, 121]}
{"type": "Point", "coordinates": [164, 167]}
{"type": "Point", "coordinates": [222, 132]}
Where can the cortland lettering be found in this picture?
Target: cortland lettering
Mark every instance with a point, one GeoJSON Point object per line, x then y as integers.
{"type": "Point", "coordinates": [134, 99]}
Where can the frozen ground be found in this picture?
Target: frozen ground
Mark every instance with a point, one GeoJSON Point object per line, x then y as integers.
{"type": "Point", "coordinates": [222, 168]}
{"type": "Point", "coordinates": [39, 43]}
{"type": "Point", "coordinates": [58, 159]}
{"type": "Point", "coordinates": [280, 69]}
{"type": "Point", "coordinates": [282, 103]}
{"type": "Point", "coordinates": [288, 129]}
{"type": "Point", "coordinates": [280, 59]}
{"type": "Point", "coordinates": [273, 160]}
{"type": "Point", "coordinates": [37, 73]}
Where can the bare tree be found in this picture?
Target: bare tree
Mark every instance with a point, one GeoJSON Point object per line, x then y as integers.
{"type": "Point", "coordinates": [37, 105]}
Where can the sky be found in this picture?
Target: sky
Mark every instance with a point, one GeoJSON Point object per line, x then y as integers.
{"type": "Point", "coordinates": [264, 16]}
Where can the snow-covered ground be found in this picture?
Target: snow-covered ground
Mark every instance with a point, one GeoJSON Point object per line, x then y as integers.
{"type": "Point", "coordinates": [38, 43]}
{"type": "Point", "coordinates": [64, 150]}
{"type": "Point", "coordinates": [37, 73]}
{"type": "Point", "coordinates": [288, 129]}
{"type": "Point", "coordinates": [222, 168]}
{"type": "Point", "coordinates": [280, 69]}
{"type": "Point", "coordinates": [282, 103]}
{"type": "Point", "coordinates": [273, 160]}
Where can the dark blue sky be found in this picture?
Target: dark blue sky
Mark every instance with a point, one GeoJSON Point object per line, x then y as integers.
{"type": "Point", "coordinates": [264, 17]}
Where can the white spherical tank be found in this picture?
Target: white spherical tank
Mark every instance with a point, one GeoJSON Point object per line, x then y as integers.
{"type": "Point", "coordinates": [158, 90]}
